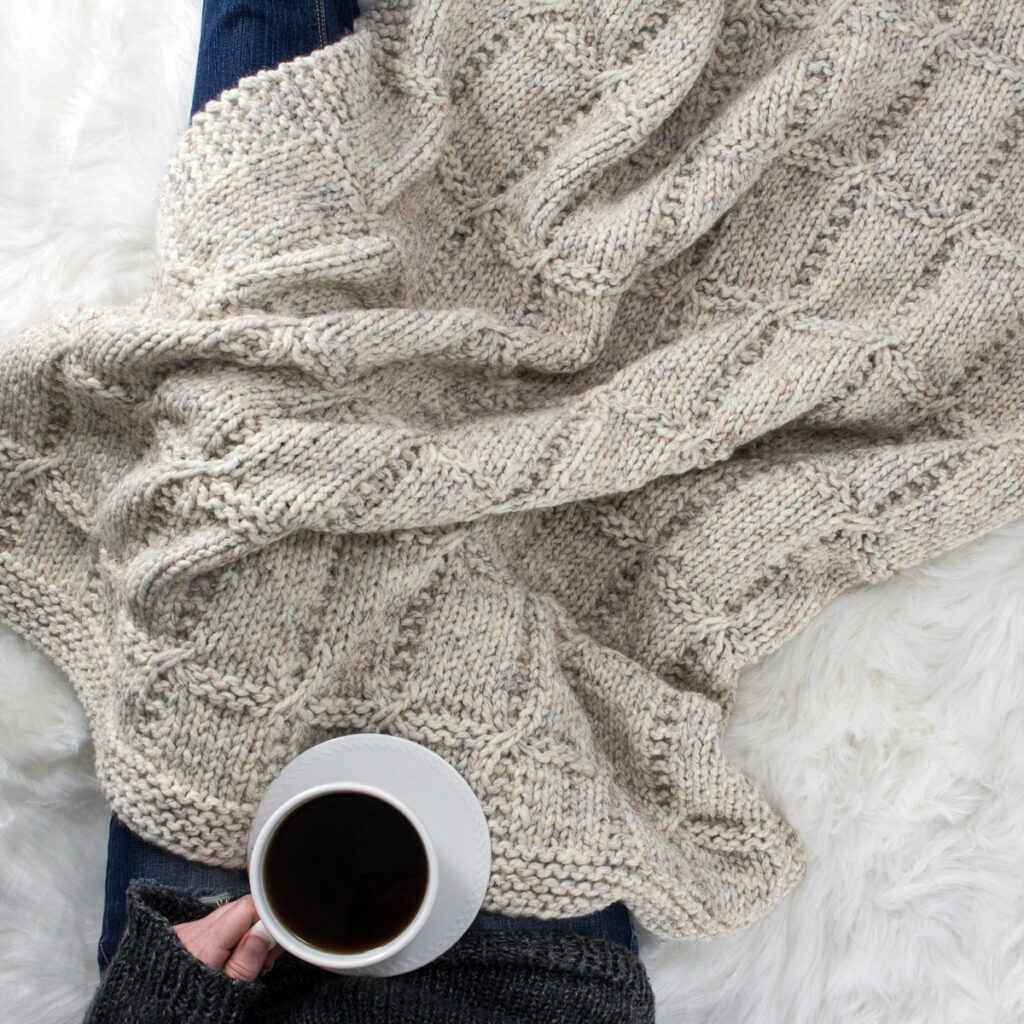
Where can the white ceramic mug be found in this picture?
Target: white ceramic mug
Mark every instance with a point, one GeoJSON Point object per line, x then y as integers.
{"type": "Point", "coordinates": [277, 805]}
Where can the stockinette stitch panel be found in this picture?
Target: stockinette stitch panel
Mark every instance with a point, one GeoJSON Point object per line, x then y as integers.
{"type": "Point", "coordinates": [516, 374]}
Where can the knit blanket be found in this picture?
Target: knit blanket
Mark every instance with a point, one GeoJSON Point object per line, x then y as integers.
{"type": "Point", "coordinates": [514, 375]}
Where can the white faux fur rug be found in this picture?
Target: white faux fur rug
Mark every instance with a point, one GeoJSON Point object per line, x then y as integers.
{"type": "Point", "coordinates": [890, 732]}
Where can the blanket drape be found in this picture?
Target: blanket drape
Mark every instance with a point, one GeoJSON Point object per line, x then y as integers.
{"type": "Point", "coordinates": [514, 375]}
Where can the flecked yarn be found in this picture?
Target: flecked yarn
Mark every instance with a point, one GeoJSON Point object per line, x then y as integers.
{"type": "Point", "coordinates": [515, 374]}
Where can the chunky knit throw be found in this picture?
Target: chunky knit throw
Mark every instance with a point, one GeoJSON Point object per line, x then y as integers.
{"type": "Point", "coordinates": [515, 374]}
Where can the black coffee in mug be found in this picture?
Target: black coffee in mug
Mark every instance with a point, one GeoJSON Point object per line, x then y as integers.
{"type": "Point", "coordinates": [345, 872]}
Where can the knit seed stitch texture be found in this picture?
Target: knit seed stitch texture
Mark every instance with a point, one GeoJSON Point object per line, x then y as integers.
{"type": "Point", "coordinates": [515, 374]}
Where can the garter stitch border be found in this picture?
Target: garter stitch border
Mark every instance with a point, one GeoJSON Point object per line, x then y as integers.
{"type": "Point", "coordinates": [515, 375]}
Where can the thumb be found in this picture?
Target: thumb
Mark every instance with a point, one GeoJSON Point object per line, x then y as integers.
{"type": "Point", "coordinates": [246, 960]}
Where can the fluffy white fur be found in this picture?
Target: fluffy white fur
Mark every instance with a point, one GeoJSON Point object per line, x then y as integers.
{"type": "Point", "coordinates": [890, 732]}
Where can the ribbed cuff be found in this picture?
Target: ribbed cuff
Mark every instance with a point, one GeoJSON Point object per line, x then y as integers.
{"type": "Point", "coordinates": [541, 976]}
{"type": "Point", "coordinates": [152, 977]}
{"type": "Point", "coordinates": [574, 968]}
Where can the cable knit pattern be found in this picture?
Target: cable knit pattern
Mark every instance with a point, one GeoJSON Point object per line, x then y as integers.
{"type": "Point", "coordinates": [515, 374]}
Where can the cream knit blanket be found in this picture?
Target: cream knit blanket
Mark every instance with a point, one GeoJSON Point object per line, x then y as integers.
{"type": "Point", "coordinates": [515, 374]}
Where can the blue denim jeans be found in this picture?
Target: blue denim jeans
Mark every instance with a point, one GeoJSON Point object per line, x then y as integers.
{"type": "Point", "coordinates": [240, 37]}
{"type": "Point", "coordinates": [130, 857]}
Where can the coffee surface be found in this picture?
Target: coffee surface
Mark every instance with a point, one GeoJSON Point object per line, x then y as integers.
{"type": "Point", "coordinates": [346, 872]}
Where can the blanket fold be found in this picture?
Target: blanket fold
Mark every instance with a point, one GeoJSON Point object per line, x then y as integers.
{"type": "Point", "coordinates": [514, 376]}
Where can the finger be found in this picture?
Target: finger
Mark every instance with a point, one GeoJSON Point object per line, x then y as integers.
{"type": "Point", "coordinates": [271, 959]}
{"type": "Point", "coordinates": [246, 962]}
{"type": "Point", "coordinates": [232, 908]}
{"type": "Point", "coordinates": [238, 917]}
{"type": "Point", "coordinates": [219, 912]}
{"type": "Point", "coordinates": [263, 930]}
{"type": "Point", "coordinates": [222, 930]}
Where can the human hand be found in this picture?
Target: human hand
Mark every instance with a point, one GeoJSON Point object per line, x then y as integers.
{"type": "Point", "coordinates": [221, 941]}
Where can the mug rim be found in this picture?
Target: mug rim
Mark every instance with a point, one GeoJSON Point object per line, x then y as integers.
{"type": "Point", "coordinates": [297, 945]}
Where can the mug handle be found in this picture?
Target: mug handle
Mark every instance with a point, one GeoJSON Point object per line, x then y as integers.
{"type": "Point", "coordinates": [259, 928]}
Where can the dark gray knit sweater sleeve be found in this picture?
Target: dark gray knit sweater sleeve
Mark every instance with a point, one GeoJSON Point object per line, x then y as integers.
{"type": "Point", "coordinates": [152, 977]}
{"type": "Point", "coordinates": [501, 977]}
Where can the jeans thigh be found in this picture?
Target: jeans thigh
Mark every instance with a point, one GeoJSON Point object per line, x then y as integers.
{"type": "Point", "coordinates": [240, 37]}
{"type": "Point", "coordinates": [129, 857]}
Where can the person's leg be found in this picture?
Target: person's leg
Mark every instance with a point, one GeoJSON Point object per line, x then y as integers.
{"type": "Point", "coordinates": [237, 39]}
{"type": "Point", "coordinates": [130, 857]}
{"type": "Point", "coordinates": [240, 37]}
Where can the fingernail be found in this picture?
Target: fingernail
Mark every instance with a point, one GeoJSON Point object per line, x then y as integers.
{"type": "Point", "coordinates": [256, 944]}
{"type": "Point", "coordinates": [259, 928]}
